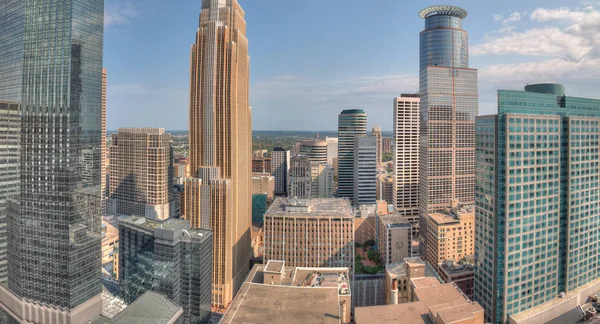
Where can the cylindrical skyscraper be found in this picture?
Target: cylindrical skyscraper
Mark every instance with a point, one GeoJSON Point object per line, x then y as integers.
{"type": "Point", "coordinates": [449, 103]}
{"type": "Point", "coordinates": [351, 123]}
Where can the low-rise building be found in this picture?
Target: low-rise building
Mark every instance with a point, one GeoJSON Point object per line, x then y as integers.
{"type": "Point", "coordinates": [277, 293]}
{"type": "Point", "coordinates": [310, 232]}
{"type": "Point", "coordinates": [450, 234]}
{"type": "Point", "coordinates": [263, 183]}
{"type": "Point", "coordinates": [394, 237]}
{"type": "Point", "coordinates": [463, 275]}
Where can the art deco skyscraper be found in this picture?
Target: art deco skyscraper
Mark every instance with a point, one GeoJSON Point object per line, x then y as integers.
{"type": "Point", "coordinates": [351, 123]}
{"type": "Point", "coordinates": [51, 63]}
{"type": "Point", "coordinates": [449, 103]}
{"type": "Point", "coordinates": [221, 141]}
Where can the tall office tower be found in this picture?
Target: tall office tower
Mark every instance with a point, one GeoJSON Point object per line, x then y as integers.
{"type": "Point", "coordinates": [406, 158]}
{"type": "Point", "coordinates": [141, 173]}
{"type": "Point", "coordinates": [386, 144]}
{"type": "Point", "coordinates": [537, 228]}
{"type": "Point", "coordinates": [280, 166]}
{"type": "Point", "coordinates": [316, 150]}
{"type": "Point", "coordinates": [351, 123]}
{"type": "Point", "coordinates": [103, 147]}
{"type": "Point", "coordinates": [332, 149]}
{"type": "Point", "coordinates": [299, 177]}
{"type": "Point", "coordinates": [170, 258]}
{"type": "Point", "coordinates": [365, 170]}
{"type": "Point", "coordinates": [51, 63]}
{"type": "Point", "coordinates": [449, 103]}
{"type": "Point", "coordinates": [376, 132]}
{"type": "Point", "coordinates": [10, 126]}
{"type": "Point", "coordinates": [322, 184]}
{"type": "Point", "coordinates": [221, 140]}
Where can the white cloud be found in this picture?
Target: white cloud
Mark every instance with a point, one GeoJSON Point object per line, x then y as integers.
{"type": "Point", "coordinates": [514, 17]}
{"type": "Point", "coordinates": [498, 17]}
{"type": "Point", "coordinates": [120, 13]}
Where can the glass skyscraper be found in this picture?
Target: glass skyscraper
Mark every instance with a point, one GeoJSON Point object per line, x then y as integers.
{"type": "Point", "coordinates": [351, 123]}
{"type": "Point", "coordinates": [51, 63]}
{"type": "Point", "coordinates": [537, 197]}
{"type": "Point", "coordinates": [449, 103]}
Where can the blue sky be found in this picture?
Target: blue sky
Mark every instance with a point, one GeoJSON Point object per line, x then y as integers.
{"type": "Point", "coordinates": [310, 59]}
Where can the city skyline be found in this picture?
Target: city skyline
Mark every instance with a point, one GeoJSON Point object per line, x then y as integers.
{"type": "Point", "coordinates": [372, 74]}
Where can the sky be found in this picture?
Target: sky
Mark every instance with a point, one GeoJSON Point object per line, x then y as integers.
{"type": "Point", "coordinates": [311, 59]}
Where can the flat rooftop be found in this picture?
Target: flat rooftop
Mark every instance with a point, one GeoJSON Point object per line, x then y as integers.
{"type": "Point", "coordinates": [274, 266]}
{"type": "Point", "coordinates": [306, 295]}
{"type": "Point", "coordinates": [401, 313]}
{"type": "Point", "coordinates": [150, 224]}
{"type": "Point", "coordinates": [424, 282]}
{"type": "Point", "coordinates": [440, 294]}
{"type": "Point", "coordinates": [453, 216]}
{"type": "Point", "coordinates": [457, 269]}
{"type": "Point", "coordinates": [394, 220]}
{"type": "Point", "coordinates": [112, 233]}
{"type": "Point", "coordinates": [315, 207]}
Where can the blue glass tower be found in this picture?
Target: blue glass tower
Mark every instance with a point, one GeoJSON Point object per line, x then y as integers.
{"type": "Point", "coordinates": [51, 63]}
{"type": "Point", "coordinates": [449, 104]}
{"type": "Point", "coordinates": [538, 187]}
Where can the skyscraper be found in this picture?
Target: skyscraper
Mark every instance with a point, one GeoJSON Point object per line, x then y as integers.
{"type": "Point", "coordinates": [221, 140]}
{"type": "Point", "coordinates": [351, 123]}
{"type": "Point", "coordinates": [376, 132]}
{"type": "Point", "coordinates": [365, 170]}
{"type": "Point", "coordinates": [316, 150]}
{"type": "Point", "coordinates": [51, 63]}
{"type": "Point", "coordinates": [406, 158]}
{"type": "Point", "coordinates": [141, 173]}
{"type": "Point", "coordinates": [449, 103]}
{"type": "Point", "coordinates": [537, 228]}
{"type": "Point", "coordinates": [103, 146]}
{"type": "Point", "coordinates": [299, 179]}
{"type": "Point", "coordinates": [280, 166]}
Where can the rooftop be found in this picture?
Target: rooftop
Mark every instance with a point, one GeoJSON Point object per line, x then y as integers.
{"type": "Point", "coordinates": [171, 224]}
{"type": "Point", "coordinates": [306, 295]}
{"type": "Point", "coordinates": [394, 220]}
{"type": "Point", "coordinates": [401, 313]}
{"type": "Point", "coordinates": [149, 308]}
{"type": "Point", "coordinates": [112, 233]}
{"type": "Point", "coordinates": [453, 215]}
{"type": "Point", "coordinates": [444, 10]}
{"type": "Point", "coordinates": [456, 268]}
{"type": "Point", "coordinates": [316, 207]}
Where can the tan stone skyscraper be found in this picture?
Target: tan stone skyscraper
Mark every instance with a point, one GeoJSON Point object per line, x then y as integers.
{"type": "Point", "coordinates": [376, 132]}
{"type": "Point", "coordinates": [221, 142]}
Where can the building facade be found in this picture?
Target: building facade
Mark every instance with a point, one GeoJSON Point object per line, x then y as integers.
{"type": "Point", "coordinates": [351, 123]}
{"type": "Point", "coordinates": [322, 184]}
{"type": "Point", "coordinates": [316, 150]}
{"type": "Point", "coordinates": [103, 189]}
{"type": "Point", "coordinates": [299, 177]}
{"type": "Point", "coordinates": [170, 258]}
{"type": "Point", "coordinates": [406, 157]}
{"type": "Point", "coordinates": [310, 232]}
{"type": "Point", "coordinates": [220, 141]}
{"type": "Point", "coordinates": [261, 165]}
{"type": "Point", "coordinates": [365, 170]}
{"type": "Point", "coordinates": [263, 183]}
{"type": "Point", "coordinates": [141, 173]}
{"type": "Point", "coordinates": [53, 222]}
{"type": "Point", "coordinates": [332, 149]}
{"type": "Point", "coordinates": [10, 126]}
{"type": "Point", "coordinates": [280, 167]}
{"type": "Point", "coordinates": [376, 132]}
{"type": "Point", "coordinates": [537, 194]}
{"type": "Point", "coordinates": [461, 274]}
{"type": "Point", "coordinates": [450, 234]}
{"type": "Point", "coordinates": [449, 104]}
{"type": "Point", "coordinates": [385, 188]}
{"type": "Point", "coordinates": [394, 238]}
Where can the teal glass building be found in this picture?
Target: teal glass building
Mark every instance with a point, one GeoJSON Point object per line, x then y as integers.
{"type": "Point", "coordinates": [537, 199]}
{"type": "Point", "coordinates": [51, 64]}
{"type": "Point", "coordinates": [351, 123]}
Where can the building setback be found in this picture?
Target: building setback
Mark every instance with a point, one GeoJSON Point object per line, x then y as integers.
{"type": "Point", "coordinates": [310, 232]}
{"type": "Point", "coordinates": [170, 258]}
{"type": "Point", "coordinates": [220, 141]}
{"type": "Point", "coordinates": [351, 123]}
{"type": "Point", "coordinates": [141, 173]}
{"type": "Point", "coordinates": [365, 170]}
{"type": "Point", "coordinates": [299, 177]}
{"type": "Point", "coordinates": [449, 104]}
{"type": "Point", "coordinates": [406, 158]}
{"type": "Point", "coordinates": [537, 211]}
{"type": "Point", "coordinates": [280, 167]}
